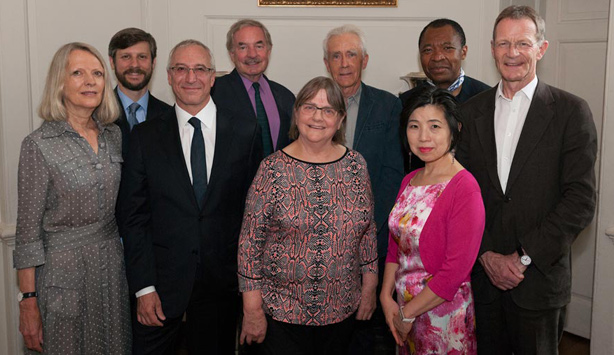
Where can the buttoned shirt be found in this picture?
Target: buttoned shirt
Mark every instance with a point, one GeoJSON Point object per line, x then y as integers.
{"type": "Point", "coordinates": [353, 103]}
{"type": "Point", "coordinates": [207, 118]}
{"type": "Point", "coordinates": [141, 112]}
{"type": "Point", "coordinates": [510, 115]}
{"type": "Point", "coordinates": [270, 106]}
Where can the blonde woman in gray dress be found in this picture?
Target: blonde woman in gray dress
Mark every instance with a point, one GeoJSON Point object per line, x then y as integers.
{"type": "Point", "coordinates": [73, 292]}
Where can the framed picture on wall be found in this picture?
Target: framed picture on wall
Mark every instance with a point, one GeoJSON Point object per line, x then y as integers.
{"type": "Point", "coordinates": [333, 3]}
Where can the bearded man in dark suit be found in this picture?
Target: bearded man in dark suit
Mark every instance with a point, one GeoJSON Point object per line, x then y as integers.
{"type": "Point", "coordinates": [132, 54]}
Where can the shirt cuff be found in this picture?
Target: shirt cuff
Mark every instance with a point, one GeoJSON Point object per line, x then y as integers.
{"type": "Point", "coordinates": [145, 291]}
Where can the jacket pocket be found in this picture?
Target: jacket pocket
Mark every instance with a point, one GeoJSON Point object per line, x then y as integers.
{"type": "Point", "coordinates": [65, 292]}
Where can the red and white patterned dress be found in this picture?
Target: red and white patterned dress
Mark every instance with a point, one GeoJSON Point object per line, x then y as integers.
{"type": "Point", "coordinates": [450, 327]}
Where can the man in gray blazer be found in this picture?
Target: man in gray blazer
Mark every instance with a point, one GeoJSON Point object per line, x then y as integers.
{"type": "Point", "coordinates": [372, 129]}
{"type": "Point", "coordinates": [532, 149]}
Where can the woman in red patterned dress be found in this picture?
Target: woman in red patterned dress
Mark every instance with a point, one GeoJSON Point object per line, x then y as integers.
{"type": "Point", "coordinates": [307, 250]}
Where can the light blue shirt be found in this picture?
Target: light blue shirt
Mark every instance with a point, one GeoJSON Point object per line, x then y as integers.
{"type": "Point", "coordinates": [141, 113]}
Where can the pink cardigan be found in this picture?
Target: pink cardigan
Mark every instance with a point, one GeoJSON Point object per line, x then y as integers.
{"type": "Point", "coordinates": [451, 237]}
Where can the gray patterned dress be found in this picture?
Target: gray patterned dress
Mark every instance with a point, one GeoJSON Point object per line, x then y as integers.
{"type": "Point", "coordinates": [66, 229]}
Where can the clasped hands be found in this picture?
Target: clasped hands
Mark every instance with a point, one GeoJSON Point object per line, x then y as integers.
{"type": "Point", "coordinates": [504, 271]}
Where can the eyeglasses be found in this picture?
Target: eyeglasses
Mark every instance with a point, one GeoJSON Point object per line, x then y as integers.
{"type": "Point", "coordinates": [519, 46]}
{"type": "Point", "coordinates": [200, 71]}
{"type": "Point", "coordinates": [327, 112]}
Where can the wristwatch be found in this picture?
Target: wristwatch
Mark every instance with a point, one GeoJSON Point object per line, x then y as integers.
{"type": "Point", "coordinates": [402, 316]}
{"type": "Point", "coordinates": [524, 258]}
{"type": "Point", "coordinates": [22, 296]}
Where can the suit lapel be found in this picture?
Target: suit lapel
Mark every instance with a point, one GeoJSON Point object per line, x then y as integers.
{"type": "Point", "coordinates": [240, 93]}
{"type": "Point", "coordinates": [283, 123]}
{"type": "Point", "coordinates": [171, 143]}
{"type": "Point", "coordinates": [538, 119]}
{"type": "Point", "coordinates": [364, 111]}
{"type": "Point", "coordinates": [223, 141]}
{"type": "Point", "coordinates": [485, 129]}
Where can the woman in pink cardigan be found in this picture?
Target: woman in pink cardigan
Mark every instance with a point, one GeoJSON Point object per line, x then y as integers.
{"type": "Point", "coordinates": [436, 228]}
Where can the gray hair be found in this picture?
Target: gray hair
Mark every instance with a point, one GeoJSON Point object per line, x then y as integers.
{"type": "Point", "coordinates": [187, 43]}
{"type": "Point", "coordinates": [343, 30]}
{"type": "Point", "coordinates": [237, 26]}
{"type": "Point", "coordinates": [517, 12]}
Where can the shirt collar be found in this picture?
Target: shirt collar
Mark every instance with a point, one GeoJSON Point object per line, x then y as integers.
{"type": "Point", "coordinates": [126, 101]}
{"type": "Point", "coordinates": [51, 129]}
{"type": "Point", "coordinates": [206, 115]}
{"type": "Point", "coordinates": [528, 90]}
{"type": "Point", "coordinates": [248, 83]}
{"type": "Point", "coordinates": [356, 96]}
{"type": "Point", "coordinates": [455, 85]}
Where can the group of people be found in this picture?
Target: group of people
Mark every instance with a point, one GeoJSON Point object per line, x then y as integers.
{"type": "Point", "coordinates": [289, 218]}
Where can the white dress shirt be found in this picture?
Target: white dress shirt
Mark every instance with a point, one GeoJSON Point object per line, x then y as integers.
{"type": "Point", "coordinates": [510, 116]}
{"type": "Point", "coordinates": [207, 117]}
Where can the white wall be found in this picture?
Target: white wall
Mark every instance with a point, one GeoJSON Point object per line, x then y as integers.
{"type": "Point", "coordinates": [31, 31]}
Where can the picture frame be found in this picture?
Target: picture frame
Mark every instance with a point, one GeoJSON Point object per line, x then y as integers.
{"type": "Point", "coordinates": [328, 3]}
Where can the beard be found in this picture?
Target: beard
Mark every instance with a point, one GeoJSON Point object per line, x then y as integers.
{"type": "Point", "coordinates": [121, 77]}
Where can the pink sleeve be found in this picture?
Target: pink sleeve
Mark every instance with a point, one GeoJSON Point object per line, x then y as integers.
{"type": "Point", "coordinates": [464, 227]}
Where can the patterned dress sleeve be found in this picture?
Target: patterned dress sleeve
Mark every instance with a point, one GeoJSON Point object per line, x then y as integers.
{"type": "Point", "coordinates": [368, 243]}
{"type": "Point", "coordinates": [32, 189]}
{"type": "Point", "coordinates": [252, 239]}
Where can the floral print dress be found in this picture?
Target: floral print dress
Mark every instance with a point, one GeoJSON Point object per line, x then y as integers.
{"type": "Point", "coordinates": [450, 327]}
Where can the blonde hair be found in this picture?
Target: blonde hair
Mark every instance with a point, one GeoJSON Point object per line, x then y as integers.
{"type": "Point", "coordinates": [52, 106]}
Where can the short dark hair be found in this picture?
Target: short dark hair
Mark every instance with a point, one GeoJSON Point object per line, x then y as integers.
{"type": "Point", "coordinates": [517, 12]}
{"type": "Point", "coordinates": [128, 37]}
{"type": "Point", "coordinates": [429, 95]}
{"type": "Point", "coordinates": [441, 22]}
{"type": "Point", "coordinates": [335, 98]}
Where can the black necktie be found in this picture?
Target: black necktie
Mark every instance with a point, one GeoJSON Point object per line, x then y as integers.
{"type": "Point", "coordinates": [198, 160]}
{"type": "Point", "coordinates": [132, 114]}
{"type": "Point", "coordinates": [263, 121]}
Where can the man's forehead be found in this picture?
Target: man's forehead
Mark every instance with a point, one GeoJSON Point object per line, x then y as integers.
{"type": "Point", "coordinates": [193, 55]}
{"type": "Point", "coordinates": [142, 46]}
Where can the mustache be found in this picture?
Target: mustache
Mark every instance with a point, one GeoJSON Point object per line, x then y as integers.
{"type": "Point", "coordinates": [251, 61]}
{"type": "Point", "coordinates": [135, 71]}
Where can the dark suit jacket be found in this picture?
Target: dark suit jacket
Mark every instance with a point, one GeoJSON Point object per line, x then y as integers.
{"type": "Point", "coordinates": [377, 139]}
{"type": "Point", "coordinates": [165, 233]}
{"type": "Point", "coordinates": [550, 195]}
{"type": "Point", "coordinates": [229, 92]}
{"type": "Point", "coordinates": [470, 88]}
{"type": "Point", "coordinates": [155, 108]}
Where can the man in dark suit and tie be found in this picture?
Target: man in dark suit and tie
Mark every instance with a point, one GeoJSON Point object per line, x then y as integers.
{"type": "Point", "coordinates": [132, 54]}
{"type": "Point", "coordinates": [372, 129]}
{"type": "Point", "coordinates": [180, 210]}
{"type": "Point", "coordinates": [246, 91]}
{"type": "Point", "coordinates": [532, 149]}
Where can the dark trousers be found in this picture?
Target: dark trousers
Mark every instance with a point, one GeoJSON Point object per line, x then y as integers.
{"type": "Point", "coordinates": [373, 336]}
{"type": "Point", "coordinates": [211, 324]}
{"type": "Point", "coordinates": [502, 327]}
{"type": "Point", "coordinates": [285, 338]}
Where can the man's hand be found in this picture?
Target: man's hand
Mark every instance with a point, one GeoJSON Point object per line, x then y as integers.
{"type": "Point", "coordinates": [149, 310]}
{"type": "Point", "coordinates": [253, 328]}
{"type": "Point", "coordinates": [504, 271]}
{"type": "Point", "coordinates": [30, 324]}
